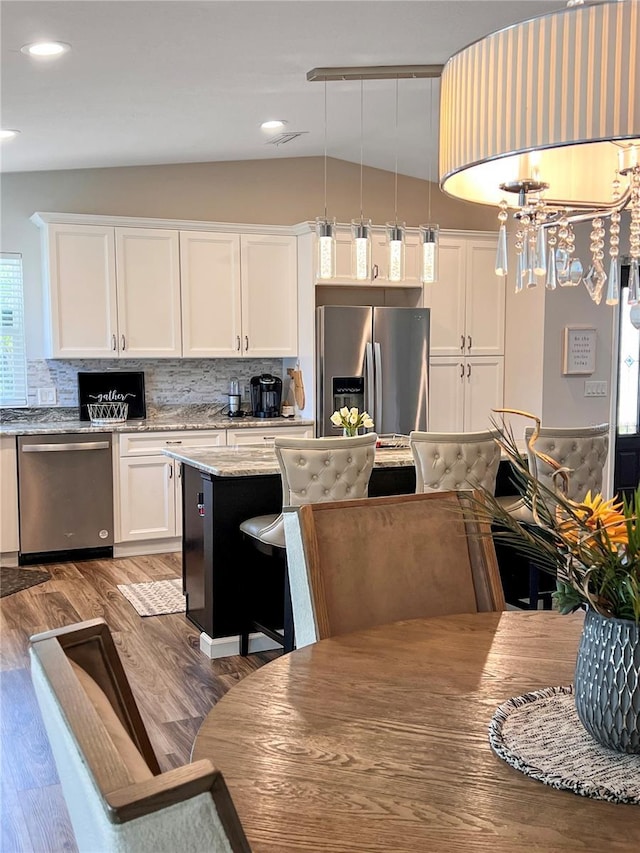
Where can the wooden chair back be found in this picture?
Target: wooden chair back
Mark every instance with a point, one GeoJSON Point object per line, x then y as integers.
{"type": "Point", "coordinates": [357, 564]}
{"type": "Point", "coordinates": [116, 795]}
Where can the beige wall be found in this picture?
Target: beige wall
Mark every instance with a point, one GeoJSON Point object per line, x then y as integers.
{"type": "Point", "coordinates": [282, 192]}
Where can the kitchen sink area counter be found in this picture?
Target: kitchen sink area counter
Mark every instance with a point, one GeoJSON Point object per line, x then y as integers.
{"type": "Point", "coordinates": [196, 417]}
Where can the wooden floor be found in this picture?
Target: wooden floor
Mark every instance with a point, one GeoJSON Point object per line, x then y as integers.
{"type": "Point", "coordinates": [175, 685]}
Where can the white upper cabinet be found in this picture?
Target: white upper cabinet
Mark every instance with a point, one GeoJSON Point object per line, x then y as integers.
{"type": "Point", "coordinates": [79, 268]}
{"type": "Point", "coordinates": [468, 300]}
{"type": "Point", "coordinates": [118, 287]}
{"type": "Point", "coordinates": [269, 275]}
{"type": "Point", "coordinates": [446, 298]}
{"type": "Point", "coordinates": [148, 287]}
{"type": "Point", "coordinates": [211, 299]}
{"type": "Point", "coordinates": [485, 301]}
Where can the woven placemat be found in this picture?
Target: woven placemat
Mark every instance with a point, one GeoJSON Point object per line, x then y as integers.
{"type": "Point", "coordinates": [540, 735]}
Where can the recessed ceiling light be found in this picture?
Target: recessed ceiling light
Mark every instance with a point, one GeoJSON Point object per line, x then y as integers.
{"type": "Point", "coordinates": [47, 49]}
{"type": "Point", "coordinates": [273, 124]}
{"type": "Point", "coordinates": [8, 134]}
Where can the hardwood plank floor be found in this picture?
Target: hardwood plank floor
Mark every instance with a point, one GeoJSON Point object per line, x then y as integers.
{"type": "Point", "coordinates": [175, 686]}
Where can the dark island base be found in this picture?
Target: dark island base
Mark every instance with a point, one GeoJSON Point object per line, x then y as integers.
{"type": "Point", "coordinates": [226, 579]}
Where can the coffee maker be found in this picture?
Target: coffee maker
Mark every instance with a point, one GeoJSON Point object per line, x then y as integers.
{"type": "Point", "coordinates": [266, 395]}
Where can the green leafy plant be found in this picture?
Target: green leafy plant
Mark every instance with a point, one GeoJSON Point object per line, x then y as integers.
{"type": "Point", "coordinates": [591, 547]}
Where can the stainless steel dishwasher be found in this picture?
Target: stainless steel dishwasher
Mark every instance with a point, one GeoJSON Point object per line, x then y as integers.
{"type": "Point", "coordinates": [65, 488]}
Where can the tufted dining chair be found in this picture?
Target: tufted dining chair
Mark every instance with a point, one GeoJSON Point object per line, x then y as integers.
{"type": "Point", "coordinates": [583, 452]}
{"type": "Point", "coordinates": [313, 470]}
{"type": "Point", "coordinates": [454, 460]}
{"type": "Point", "coordinates": [117, 797]}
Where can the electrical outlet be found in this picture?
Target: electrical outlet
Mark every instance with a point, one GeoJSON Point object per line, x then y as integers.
{"type": "Point", "coordinates": [46, 396]}
{"type": "Point", "coordinates": [595, 389]}
{"type": "Point", "coordinates": [246, 392]}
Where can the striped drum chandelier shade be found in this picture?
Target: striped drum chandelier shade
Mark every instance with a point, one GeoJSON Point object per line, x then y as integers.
{"type": "Point", "coordinates": [544, 117]}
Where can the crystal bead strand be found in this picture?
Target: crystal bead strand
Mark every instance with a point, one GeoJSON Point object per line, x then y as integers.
{"type": "Point", "coordinates": [501, 252]}
{"type": "Point", "coordinates": [575, 266]}
{"type": "Point", "coordinates": [613, 288]}
{"type": "Point", "coordinates": [520, 253]}
{"type": "Point", "coordinates": [634, 276]}
{"type": "Point", "coordinates": [540, 263]}
{"type": "Point", "coordinates": [551, 281]}
{"type": "Point", "coordinates": [563, 257]}
{"type": "Point", "coordinates": [596, 277]}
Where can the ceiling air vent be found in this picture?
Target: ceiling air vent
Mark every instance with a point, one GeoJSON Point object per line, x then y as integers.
{"type": "Point", "coordinates": [283, 138]}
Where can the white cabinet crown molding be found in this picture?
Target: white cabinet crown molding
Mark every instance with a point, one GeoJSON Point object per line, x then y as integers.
{"type": "Point", "coordinates": [44, 218]}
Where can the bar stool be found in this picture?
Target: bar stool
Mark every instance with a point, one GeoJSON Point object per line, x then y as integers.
{"type": "Point", "coordinates": [580, 450]}
{"type": "Point", "coordinates": [454, 460]}
{"type": "Point", "coordinates": [313, 470]}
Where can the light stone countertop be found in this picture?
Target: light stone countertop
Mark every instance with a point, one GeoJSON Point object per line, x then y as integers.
{"type": "Point", "coordinates": [158, 421]}
{"type": "Point", "coordinates": [247, 461]}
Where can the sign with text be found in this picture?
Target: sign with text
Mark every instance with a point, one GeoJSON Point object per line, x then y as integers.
{"type": "Point", "coordinates": [579, 350]}
{"type": "Point", "coordinates": [112, 386]}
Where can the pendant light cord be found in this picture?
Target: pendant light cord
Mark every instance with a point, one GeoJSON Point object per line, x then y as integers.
{"type": "Point", "coordinates": [396, 174]}
{"type": "Point", "coordinates": [325, 150]}
{"type": "Point", "coordinates": [430, 138]}
{"type": "Point", "coordinates": [361, 141]}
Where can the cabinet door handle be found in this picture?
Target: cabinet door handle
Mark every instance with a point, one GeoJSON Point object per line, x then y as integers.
{"type": "Point", "coordinates": [375, 272]}
{"type": "Point", "coordinates": [238, 343]}
{"type": "Point", "coordinates": [461, 371]}
{"type": "Point", "coordinates": [114, 342]}
{"type": "Point", "coordinates": [123, 342]}
{"type": "Point", "coordinates": [180, 471]}
{"type": "Point", "coordinates": [461, 343]}
{"type": "Point", "coordinates": [177, 441]}
{"type": "Point", "coordinates": [246, 343]}
{"type": "Point", "coordinates": [468, 371]}
{"type": "Point", "coordinates": [469, 342]}
{"type": "Point", "coordinates": [171, 472]}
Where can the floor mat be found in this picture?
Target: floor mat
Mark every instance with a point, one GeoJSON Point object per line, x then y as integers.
{"type": "Point", "coordinates": [16, 579]}
{"type": "Point", "coordinates": [155, 598]}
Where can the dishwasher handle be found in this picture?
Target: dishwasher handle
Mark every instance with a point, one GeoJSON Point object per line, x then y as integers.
{"type": "Point", "coordinates": [76, 445]}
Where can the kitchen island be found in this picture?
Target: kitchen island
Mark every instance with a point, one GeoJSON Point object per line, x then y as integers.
{"type": "Point", "coordinates": [223, 486]}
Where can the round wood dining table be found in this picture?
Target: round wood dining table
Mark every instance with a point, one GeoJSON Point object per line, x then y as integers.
{"type": "Point", "coordinates": [377, 741]}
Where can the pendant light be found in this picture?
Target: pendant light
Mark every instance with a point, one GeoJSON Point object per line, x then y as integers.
{"type": "Point", "coordinates": [361, 228]}
{"type": "Point", "coordinates": [326, 228]}
{"type": "Point", "coordinates": [395, 230]}
{"type": "Point", "coordinates": [429, 234]}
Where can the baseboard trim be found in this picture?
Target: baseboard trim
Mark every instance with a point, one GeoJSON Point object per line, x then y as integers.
{"type": "Point", "coordinates": [224, 647]}
{"type": "Point", "coordinates": [149, 546]}
{"type": "Point", "coordinates": [9, 559]}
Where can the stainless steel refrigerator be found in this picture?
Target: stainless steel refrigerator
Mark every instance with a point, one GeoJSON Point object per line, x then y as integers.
{"type": "Point", "coordinates": [375, 359]}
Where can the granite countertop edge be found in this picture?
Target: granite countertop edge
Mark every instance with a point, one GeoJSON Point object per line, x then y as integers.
{"type": "Point", "coordinates": [152, 424]}
{"type": "Point", "coordinates": [247, 461]}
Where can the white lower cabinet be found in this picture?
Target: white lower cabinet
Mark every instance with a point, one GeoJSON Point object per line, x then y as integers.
{"type": "Point", "coordinates": [463, 392]}
{"type": "Point", "coordinates": [149, 492]}
{"type": "Point", "coordinates": [9, 536]}
{"type": "Point", "coordinates": [147, 498]}
{"type": "Point", "coordinates": [265, 437]}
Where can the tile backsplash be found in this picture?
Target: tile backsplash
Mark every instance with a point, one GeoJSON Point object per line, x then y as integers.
{"type": "Point", "coordinates": [169, 381]}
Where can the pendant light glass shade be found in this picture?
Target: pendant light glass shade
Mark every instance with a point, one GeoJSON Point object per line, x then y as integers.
{"type": "Point", "coordinates": [501, 252]}
{"type": "Point", "coordinates": [395, 242]}
{"type": "Point", "coordinates": [361, 249]}
{"type": "Point", "coordinates": [429, 241]}
{"type": "Point", "coordinates": [326, 248]}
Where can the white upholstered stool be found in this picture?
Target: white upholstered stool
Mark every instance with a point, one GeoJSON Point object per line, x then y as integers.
{"type": "Point", "coordinates": [447, 461]}
{"type": "Point", "coordinates": [313, 470]}
{"type": "Point", "coordinates": [583, 452]}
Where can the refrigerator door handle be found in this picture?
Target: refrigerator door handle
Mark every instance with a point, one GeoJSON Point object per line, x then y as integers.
{"type": "Point", "coordinates": [369, 374]}
{"type": "Point", "coordinates": [377, 357]}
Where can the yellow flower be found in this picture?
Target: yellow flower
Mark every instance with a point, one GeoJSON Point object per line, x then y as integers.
{"type": "Point", "coordinates": [595, 513]}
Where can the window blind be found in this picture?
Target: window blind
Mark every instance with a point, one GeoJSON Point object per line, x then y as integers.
{"type": "Point", "coordinates": [13, 364]}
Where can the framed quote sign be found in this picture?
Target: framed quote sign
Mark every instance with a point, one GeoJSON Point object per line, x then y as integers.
{"type": "Point", "coordinates": [579, 350]}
